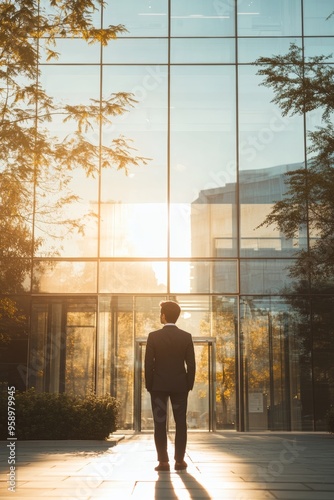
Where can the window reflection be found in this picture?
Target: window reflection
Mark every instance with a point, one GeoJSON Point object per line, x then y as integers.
{"type": "Point", "coordinates": [267, 138]}
{"type": "Point", "coordinates": [202, 50]}
{"type": "Point", "coordinates": [133, 277]}
{"type": "Point", "coordinates": [133, 230]}
{"type": "Point", "coordinates": [277, 371]}
{"type": "Point", "coordinates": [200, 17]}
{"type": "Point", "coordinates": [203, 277]}
{"type": "Point", "coordinates": [64, 276]}
{"type": "Point", "coordinates": [269, 17]}
{"type": "Point", "coordinates": [141, 17]}
{"type": "Point", "coordinates": [316, 20]}
{"type": "Point", "coordinates": [265, 276]}
{"type": "Point", "coordinates": [250, 49]}
{"type": "Point", "coordinates": [136, 51]}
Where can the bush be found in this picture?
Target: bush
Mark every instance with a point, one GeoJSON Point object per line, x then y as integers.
{"type": "Point", "coordinates": [60, 416]}
{"type": "Point", "coordinates": [330, 420]}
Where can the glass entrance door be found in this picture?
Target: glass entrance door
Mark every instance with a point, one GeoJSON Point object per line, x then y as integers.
{"type": "Point", "coordinates": [201, 402]}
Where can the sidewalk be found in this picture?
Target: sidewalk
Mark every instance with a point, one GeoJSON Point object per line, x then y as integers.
{"type": "Point", "coordinates": [225, 466]}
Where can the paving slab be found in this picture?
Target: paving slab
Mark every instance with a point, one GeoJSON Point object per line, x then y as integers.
{"type": "Point", "coordinates": [225, 465]}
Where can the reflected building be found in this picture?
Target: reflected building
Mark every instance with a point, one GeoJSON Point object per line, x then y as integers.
{"type": "Point", "coordinates": [186, 226]}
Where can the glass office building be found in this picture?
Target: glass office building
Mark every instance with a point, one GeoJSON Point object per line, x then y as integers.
{"type": "Point", "coordinates": [186, 225]}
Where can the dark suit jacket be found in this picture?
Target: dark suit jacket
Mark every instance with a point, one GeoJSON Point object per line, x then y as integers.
{"type": "Point", "coordinates": [170, 360]}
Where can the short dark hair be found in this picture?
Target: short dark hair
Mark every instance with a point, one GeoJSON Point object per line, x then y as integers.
{"type": "Point", "coordinates": [171, 310]}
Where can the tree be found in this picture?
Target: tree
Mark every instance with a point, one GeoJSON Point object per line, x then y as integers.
{"type": "Point", "coordinates": [35, 165]}
{"type": "Point", "coordinates": [302, 85]}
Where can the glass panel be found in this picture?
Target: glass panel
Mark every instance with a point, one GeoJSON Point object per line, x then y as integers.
{"type": "Point", "coordinates": [323, 355]}
{"type": "Point", "coordinates": [15, 322]}
{"type": "Point", "coordinates": [144, 190]}
{"type": "Point", "coordinates": [213, 225]}
{"type": "Point", "coordinates": [316, 20]}
{"type": "Point", "coordinates": [55, 348]}
{"type": "Point", "coordinates": [269, 17]}
{"type": "Point", "coordinates": [266, 138]}
{"type": "Point", "coordinates": [71, 51]}
{"type": "Point", "coordinates": [265, 276]}
{"type": "Point", "coordinates": [74, 84]}
{"type": "Point", "coordinates": [80, 348]}
{"type": "Point", "coordinates": [259, 190]}
{"type": "Point", "coordinates": [147, 315]}
{"type": "Point", "coordinates": [105, 347]}
{"type": "Point", "coordinates": [270, 146]}
{"type": "Point", "coordinates": [133, 277]}
{"type": "Point", "coordinates": [249, 49]}
{"type": "Point", "coordinates": [203, 167]}
{"type": "Point", "coordinates": [203, 277]}
{"type": "Point", "coordinates": [202, 18]}
{"type": "Point", "coordinates": [64, 277]}
{"type": "Point", "coordinates": [68, 228]}
{"type": "Point", "coordinates": [140, 17]}
{"type": "Point", "coordinates": [123, 360]}
{"type": "Point", "coordinates": [133, 230]}
{"type": "Point", "coordinates": [315, 46]}
{"type": "Point", "coordinates": [224, 328]}
{"type": "Point", "coordinates": [38, 347]}
{"type": "Point", "coordinates": [115, 353]}
{"type": "Point", "coordinates": [72, 229]}
{"type": "Point", "coordinates": [277, 365]}
{"type": "Point", "coordinates": [202, 50]}
{"type": "Point", "coordinates": [145, 403]}
{"type": "Point", "coordinates": [136, 51]}
{"type": "Point", "coordinates": [54, 10]}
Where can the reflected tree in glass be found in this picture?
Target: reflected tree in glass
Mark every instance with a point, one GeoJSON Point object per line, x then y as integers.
{"type": "Point", "coordinates": [301, 86]}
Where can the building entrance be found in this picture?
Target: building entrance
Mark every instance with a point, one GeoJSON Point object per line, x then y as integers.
{"type": "Point", "coordinates": [202, 400]}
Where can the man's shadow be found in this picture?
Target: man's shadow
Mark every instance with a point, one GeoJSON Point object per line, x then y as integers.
{"type": "Point", "coordinates": [194, 488]}
{"type": "Point", "coordinates": [165, 483]}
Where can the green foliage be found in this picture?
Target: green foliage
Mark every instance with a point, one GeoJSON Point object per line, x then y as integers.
{"type": "Point", "coordinates": [61, 416]}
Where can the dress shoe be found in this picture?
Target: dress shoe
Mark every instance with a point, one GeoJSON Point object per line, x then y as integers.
{"type": "Point", "coordinates": [163, 466]}
{"type": "Point", "coordinates": [180, 465]}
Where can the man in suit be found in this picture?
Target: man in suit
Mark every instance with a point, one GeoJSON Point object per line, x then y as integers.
{"type": "Point", "coordinates": [170, 374]}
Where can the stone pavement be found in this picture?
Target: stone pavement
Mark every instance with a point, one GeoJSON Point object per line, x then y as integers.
{"type": "Point", "coordinates": [225, 466]}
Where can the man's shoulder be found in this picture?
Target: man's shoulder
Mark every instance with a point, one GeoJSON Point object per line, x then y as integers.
{"type": "Point", "coordinates": [170, 328]}
{"type": "Point", "coordinates": [155, 332]}
{"type": "Point", "coordinates": [178, 330]}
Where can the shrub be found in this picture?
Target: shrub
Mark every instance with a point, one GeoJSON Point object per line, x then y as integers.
{"type": "Point", "coordinates": [61, 416]}
{"type": "Point", "coordinates": [330, 420]}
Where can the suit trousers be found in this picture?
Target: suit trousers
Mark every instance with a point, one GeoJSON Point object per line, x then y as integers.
{"type": "Point", "coordinates": [179, 402]}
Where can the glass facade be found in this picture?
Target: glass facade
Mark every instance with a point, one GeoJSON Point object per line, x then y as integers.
{"type": "Point", "coordinates": [184, 226]}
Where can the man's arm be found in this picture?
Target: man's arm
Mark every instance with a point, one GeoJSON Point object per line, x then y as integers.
{"type": "Point", "coordinates": [149, 364]}
{"type": "Point", "coordinates": [191, 365]}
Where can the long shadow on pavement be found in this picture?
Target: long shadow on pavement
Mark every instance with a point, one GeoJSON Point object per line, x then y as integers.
{"type": "Point", "coordinates": [195, 489]}
{"type": "Point", "coordinates": [164, 483]}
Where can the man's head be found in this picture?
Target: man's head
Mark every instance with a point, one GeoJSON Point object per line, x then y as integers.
{"type": "Point", "coordinates": [170, 311]}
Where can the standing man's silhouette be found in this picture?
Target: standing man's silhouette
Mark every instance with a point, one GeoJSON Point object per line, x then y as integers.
{"type": "Point", "coordinates": [170, 374]}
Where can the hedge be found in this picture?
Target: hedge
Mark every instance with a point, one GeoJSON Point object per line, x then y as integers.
{"type": "Point", "coordinates": [60, 416]}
